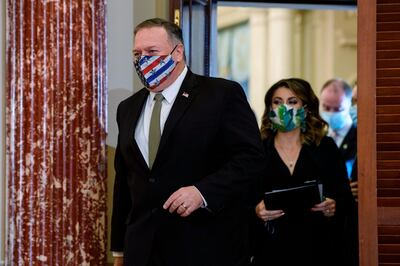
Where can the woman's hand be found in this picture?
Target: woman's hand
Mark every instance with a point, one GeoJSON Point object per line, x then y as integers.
{"type": "Point", "coordinates": [266, 215]}
{"type": "Point", "coordinates": [328, 207]}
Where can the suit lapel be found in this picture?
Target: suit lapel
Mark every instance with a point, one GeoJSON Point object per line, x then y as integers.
{"type": "Point", "coordinates": [185, 96]}
{"type": "Point", "coordinates": [348, 138]}
{"type": "Point", "coordinates": [137, 107]}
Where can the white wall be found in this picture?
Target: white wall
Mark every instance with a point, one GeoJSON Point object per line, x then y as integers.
{"type": "Point", "coordinates": [2, 131]}
{"type": "Point", "coordinates": [120, 68]}
{"type": "Point", "coordinates": [120, 81]}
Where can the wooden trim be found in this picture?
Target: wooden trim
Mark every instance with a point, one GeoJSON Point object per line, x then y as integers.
{"type": "Point", "coordinates": [173, 5]}
{"type": "Point", "coordinates": [389, 216]}
{"type": "Point", "coordinates": [368, 225]}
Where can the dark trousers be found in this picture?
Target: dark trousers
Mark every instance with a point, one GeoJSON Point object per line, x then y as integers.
{"type": "Point", "coordinates": [156, 259]}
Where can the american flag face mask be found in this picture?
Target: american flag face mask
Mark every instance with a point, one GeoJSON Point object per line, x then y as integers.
{"type": "Point", "coordinates": [154, 70]}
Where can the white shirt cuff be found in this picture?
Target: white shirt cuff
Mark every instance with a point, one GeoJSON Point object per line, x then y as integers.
{"type": "Point", "coordinates": [117, 254]}
{"type": "Point", "coordinates": [204, 205]}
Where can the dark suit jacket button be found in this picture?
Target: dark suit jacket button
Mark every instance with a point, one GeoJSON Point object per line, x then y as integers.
{"type": "Point", "coordinates": [154, 210]}
{"type": "Point", "coordinates": [152, 180]}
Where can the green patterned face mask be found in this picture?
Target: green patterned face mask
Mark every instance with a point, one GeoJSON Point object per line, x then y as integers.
{"type": "Point", "coordinates": [286, 118]}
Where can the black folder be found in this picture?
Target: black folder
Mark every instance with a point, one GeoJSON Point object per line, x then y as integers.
{"type": "Point", "coordinates": [294, 199]}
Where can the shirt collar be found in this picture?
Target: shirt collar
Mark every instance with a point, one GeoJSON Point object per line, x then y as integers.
{"type": "Point", "coordinates": [172, 90]}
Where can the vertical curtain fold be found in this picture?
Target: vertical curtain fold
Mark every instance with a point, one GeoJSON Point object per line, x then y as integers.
{"type": "Point", "coordinates": [56, 130]}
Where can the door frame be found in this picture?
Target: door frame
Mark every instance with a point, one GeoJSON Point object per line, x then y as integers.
{"type": "Point", "coordinates": [208, 10]}
{"type": "Point", "coordinates": [366, 139]}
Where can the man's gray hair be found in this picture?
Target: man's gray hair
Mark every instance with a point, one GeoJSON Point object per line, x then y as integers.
{"type": "Point", "coordinates": [173, 30]}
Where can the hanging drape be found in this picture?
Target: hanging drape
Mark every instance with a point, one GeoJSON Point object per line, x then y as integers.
{"type": "Point", "coordinates": [56, 129]}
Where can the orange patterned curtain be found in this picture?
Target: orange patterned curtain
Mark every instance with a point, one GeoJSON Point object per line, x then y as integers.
{"type": "Point", "coordinates": [56, 130]}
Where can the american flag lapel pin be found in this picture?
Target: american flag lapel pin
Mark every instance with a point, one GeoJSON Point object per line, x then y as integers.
{"type": "Point", "coordinates": [185, 94]}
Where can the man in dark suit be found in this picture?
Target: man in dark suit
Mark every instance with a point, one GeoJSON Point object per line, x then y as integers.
{"type": "Point", "coordinates": [188, 150]}
{"type": "Point", "coordinates": [335, 103]}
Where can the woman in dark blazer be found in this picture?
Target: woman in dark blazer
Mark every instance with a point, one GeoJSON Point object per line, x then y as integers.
{"type": "Point", "coordinates": [297, 151]}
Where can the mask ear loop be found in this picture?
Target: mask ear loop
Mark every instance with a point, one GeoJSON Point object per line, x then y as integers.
{"type": "Point", "coordinates": [170, 54]}
{"type": "Point", "coordinates": [303, 126]}
{"type": "Point", "coordinates": [173, 49]}
{"type": "Point", "coordinates": [271, 125]}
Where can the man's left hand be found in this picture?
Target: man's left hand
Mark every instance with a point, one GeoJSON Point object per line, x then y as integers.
{"type": "Point", "coordinates": [184, 201]}
{"type": "Point", "coordinates": [354, 189]}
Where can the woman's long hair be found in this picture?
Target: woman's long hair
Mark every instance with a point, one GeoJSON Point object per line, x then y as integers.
{"type": "Point", "coordinates": [315, 126]}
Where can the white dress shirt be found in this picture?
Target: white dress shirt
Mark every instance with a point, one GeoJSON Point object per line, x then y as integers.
{"type": "Point", "coordinates": [143, 125]}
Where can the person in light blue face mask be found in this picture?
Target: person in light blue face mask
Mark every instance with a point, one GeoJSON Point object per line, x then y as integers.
{"type": "Point", "coordinates": [335, 104]}
{"type": "Point", "coordinates": [335, 108]}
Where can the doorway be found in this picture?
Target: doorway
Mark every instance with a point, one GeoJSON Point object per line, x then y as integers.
{"type": "Point", "coordinates": [261, 44]}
